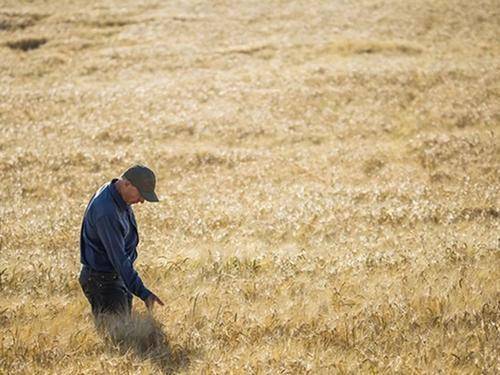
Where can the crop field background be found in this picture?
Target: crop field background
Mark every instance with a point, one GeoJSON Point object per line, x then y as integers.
{"type": "Point", "coordinates": [329, 176]}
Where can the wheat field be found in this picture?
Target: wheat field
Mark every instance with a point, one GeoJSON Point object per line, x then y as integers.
{"type": "Point", "coordinates": [329, 176]}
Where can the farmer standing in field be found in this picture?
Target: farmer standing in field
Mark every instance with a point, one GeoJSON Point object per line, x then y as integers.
{"type": "Point", "coordinates": [108, 243]}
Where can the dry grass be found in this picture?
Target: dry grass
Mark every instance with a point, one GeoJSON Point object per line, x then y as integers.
{"type": "Point", "coordinates": [329, 174]}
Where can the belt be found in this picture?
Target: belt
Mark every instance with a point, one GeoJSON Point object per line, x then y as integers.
{"type": "Point", "coordinates": [104, 276]}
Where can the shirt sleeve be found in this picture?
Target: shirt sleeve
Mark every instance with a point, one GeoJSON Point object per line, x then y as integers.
{"type": "Point", "coordinates": [108, 230]}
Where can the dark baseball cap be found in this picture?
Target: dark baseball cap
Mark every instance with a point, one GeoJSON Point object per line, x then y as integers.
{"type": "Point", "coordinates": [144, 180]}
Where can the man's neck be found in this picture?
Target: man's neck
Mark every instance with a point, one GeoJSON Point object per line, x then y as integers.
{"type": "Point", "coordinates": [119, 188]}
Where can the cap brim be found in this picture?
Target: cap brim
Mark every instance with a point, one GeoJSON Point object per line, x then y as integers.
{"type": "Point", "coordinates": [150, 196]}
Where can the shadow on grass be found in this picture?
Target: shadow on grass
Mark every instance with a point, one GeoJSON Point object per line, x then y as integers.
{"type": "Point", "coordinates": [143, 336]}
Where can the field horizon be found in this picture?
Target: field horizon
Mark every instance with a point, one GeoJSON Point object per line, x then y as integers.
{"type": "Point", "coordinates": [328, 176]}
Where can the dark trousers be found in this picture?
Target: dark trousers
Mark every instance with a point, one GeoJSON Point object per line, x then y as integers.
{"type": "Point", "coordinates": [106, 292]}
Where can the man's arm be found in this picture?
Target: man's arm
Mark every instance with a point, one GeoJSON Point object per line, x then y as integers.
{"type": "Point", "coordinates": [108, 230]}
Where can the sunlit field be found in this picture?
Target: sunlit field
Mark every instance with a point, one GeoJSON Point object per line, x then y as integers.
{"type": "Point", "coordinates": [329, 176]}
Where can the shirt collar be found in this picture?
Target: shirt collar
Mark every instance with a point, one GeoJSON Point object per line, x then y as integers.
{"type": "Point", "coordinates": [116, 195]}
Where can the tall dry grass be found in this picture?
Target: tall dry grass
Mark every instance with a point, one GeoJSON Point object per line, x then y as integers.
{"type": "Point", "coordinates": [329, 176]}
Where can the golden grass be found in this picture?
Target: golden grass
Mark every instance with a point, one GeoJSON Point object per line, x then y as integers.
{"type": "Point", "coordinates": [329, 175]}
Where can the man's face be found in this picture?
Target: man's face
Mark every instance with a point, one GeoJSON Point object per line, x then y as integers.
{"type": "Point", "coordinates": [131, 194]}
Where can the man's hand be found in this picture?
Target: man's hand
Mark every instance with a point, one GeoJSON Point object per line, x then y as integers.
{"type": "Point", "coordinates": [151, 300]}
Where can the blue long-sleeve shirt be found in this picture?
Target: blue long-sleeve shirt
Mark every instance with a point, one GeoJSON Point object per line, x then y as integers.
{"type": "Point", "coordinates": [109, 238]}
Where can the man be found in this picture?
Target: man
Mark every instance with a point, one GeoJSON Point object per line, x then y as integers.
{"type": "Point", "coordinates": [108, 244]}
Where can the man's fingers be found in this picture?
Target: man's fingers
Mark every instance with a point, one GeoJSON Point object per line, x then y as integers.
{"type": "Point", "coordinates": [152, 299]}
{"type": "Point", "coordinates": [159, 301]}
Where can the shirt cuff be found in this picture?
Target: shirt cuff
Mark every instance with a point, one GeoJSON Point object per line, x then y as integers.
{"type": "Point", "coordinates": [144, 294]}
